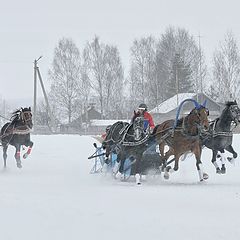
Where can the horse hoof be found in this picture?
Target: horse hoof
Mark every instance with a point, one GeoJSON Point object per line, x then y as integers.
{"type": "Point", "coordinates": [205, 176]}
{"type": "Point", "coordinates": [223, 170]}
{"type": "Point", "coordinates": [168, 168]}
{"type": "Point", "coordinates": [166, 176]}
{"type": "Point", "coordinates": [19, 165]}
{"type": "Point", "coordinates": [218, 171]}
{"type": "Point", "coordinates": [138, 179]}
{"type": "Point", "coordinates": [25, 155]}
{"type": "Point", "coordinates": [231, 160]}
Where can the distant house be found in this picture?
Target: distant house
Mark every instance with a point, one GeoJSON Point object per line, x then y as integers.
{"type": "Point", "coordinates": [90, 123]}
{"type": "Point", "coordinates": [168, 109]}
{"type": "Point", "coordinates": [90, 114]}
{"type": "Point", "coordinates": [81, 123]}
{"type": "Point", "coordinates": [99, 126]}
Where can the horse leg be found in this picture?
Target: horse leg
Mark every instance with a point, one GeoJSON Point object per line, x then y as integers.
{"type": "Point", "coordinates": [231, 150]}
{"type": "Point", "coordinates": [29, 145]}
{"type": "Point", "coordinates": [17, 156]}
{"type": "Point", "coordinates": [5, 147]}
{"type": "Point", "coordinates": [138, 170]}
{"type": "Point", "coordinates": [117, 164]}
{"type": "Point", "coordinates": [168, 169]}
{"type": "Point", "coordinates": [197, 152]}
{"type": "Point", "coordinates": [223, 161]}
{"type": "Point", "coordinates": [163, 159]}
{"type": "Point", "coordinates": [214, 162]}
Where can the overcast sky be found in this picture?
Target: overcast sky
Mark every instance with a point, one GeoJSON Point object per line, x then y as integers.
{"type": "Point", "coordinates": [31, 28]}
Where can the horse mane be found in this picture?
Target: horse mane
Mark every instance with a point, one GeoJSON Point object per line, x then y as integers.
{"type": "Point", "coordinates": [15, 115]}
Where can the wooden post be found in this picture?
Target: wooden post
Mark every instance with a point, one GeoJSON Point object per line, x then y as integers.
{"type": "Point", "coordinates": [35, 94]}
{"type": "Point", "coordinates": [37, 74]}
{"type": "Point", "coordinates": [45, 97]}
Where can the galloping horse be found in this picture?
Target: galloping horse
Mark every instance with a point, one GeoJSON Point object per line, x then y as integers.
{"type": "Point", "coordinates": [183, 136]}
{"type": "Point", "coordinates": [221, 134]}
{"type": "Point", "coordinates": [127, 140]}
{"type": "Point", "coordinates": [17, 133]}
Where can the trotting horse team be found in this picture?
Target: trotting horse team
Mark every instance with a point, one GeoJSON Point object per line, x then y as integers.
{"type": "Point", "coordinates": [184, 135]}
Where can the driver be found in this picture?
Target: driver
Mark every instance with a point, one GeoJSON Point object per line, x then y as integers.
{"type": "Point", "coordinates": [148, 120]}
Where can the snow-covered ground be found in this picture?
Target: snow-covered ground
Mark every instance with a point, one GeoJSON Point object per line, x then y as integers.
{"type": "Point", "coordinates": [54, 197]}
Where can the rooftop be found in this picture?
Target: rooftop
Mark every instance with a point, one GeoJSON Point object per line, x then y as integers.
{"type": "Point", "coordinates": [171, 103]}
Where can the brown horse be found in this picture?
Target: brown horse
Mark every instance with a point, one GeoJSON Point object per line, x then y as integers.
{"type": "Point", "coordinates": [182, 137]}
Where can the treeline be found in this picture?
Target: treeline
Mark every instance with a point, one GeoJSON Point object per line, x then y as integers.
{"type": "Point", "coordinates": [159, 68]}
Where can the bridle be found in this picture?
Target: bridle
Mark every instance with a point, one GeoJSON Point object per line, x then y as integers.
{"type": "Point", "coordinates": [198, 122]}
{"type": "Point", "coordinates": [235, 113]}
{"type": "Point", "coordinates": [138, 128]}
{"type": "Point", "coordinates": [26, 116]}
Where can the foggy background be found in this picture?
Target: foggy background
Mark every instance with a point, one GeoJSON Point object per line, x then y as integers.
{"type": "Point", "coordinates": [29, 30]}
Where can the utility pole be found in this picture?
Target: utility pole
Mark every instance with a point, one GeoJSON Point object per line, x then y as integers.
{"type": "Point", "coordinates": [35, 91]}
{"type": "Point", "coordinates": [38, 74]}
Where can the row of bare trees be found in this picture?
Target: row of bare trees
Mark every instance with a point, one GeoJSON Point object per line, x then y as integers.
{"type": "Point", "coordinates": [159, 69]}
{"type": "Point", "coordinates": [226, 70]}
{"type": "Point", "coordinates": [77, 78]}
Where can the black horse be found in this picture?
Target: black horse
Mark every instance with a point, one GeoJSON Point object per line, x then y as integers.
{"type": "Point", "coordinates": [221, 137]}
{"type": "Point", "coordinates": [128, 141]}
{"type": "Point", "coordinates": [17, 133]}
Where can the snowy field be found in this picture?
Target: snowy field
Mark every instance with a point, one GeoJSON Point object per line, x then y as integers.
{"type": "Point", "coordinates": [54, 197]}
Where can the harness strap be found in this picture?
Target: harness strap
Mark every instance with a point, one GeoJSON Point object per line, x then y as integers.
{"type": "Point", "coordinates": [16, 131]}
{"type": "Point", "coordinates": [216, 133]}
{"type": "Point", "coordinates": [136, 143]}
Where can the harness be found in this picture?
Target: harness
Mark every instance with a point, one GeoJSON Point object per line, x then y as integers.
{"type": "Point", "coordinates": [216, 133]}
{"type": "Point", "coordinates": [125, 131]}
{"type": "Point", "coordinates": [16, 130]}
{"type": "Point", "coordinates": [137, 143]}
{"type": "Point", "coordinates": [122, 130]}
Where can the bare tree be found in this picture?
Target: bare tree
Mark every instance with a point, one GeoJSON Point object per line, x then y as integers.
{"type": "Point", "coordinates": [142, 72]}
{"type": "Point", "coordinates": [178, 55]}
{"type": "Point", "coordinates": [66, 78]}
{"type": "Point", "coordinates": [226, 69]}
{"type": "Point", "coordinates": [113, 85]}
{"type": "Point", "coordinates": [94, 56]}
{"type": "Point", "coordinates": [105, 72]}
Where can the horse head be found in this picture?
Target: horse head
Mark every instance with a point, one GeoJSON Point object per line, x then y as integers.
{"type": "Point", "coordinates": [138, 128]}
{"type": "Point", "coordinates": [233, 111]}
{"type": "Point", "coordinates": [198, 119]}
{"type": "Point", "coordinates": [25, 117]}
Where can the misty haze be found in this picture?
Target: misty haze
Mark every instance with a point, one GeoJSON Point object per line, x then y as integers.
{"type": "Point", "coordinates": [119, 119]}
